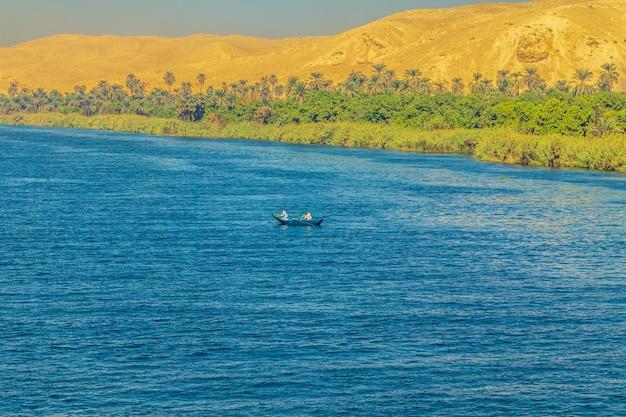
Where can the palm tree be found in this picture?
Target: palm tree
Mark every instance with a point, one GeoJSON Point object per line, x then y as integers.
{"type": "Point", "coordinates": [279, 90]}
{"type": "Point", "coordinates": [242, 88]}
{"type": "Point", "coordinates": [291, 85]}
{"type": "Point", "coordinates": [265, 90]}
{"type": "Point", "coordinates": [169, 79]}
{"type": "Point", "coordinates": [224, 99]}
{"type": "Point", "coordinates": [159, 97]}
{"type": "Point", "coordinates": [264, 87]}
{"type": "Point", "coordinates": [531, 78]}
{"type": "Point", "coordinates": [231, 100]}
{"type": "Point", "coordinates": [476, 86]}
{"type": "Point", "coordinates": [26, 102]}
{"type": "Point", "coordinates": [582, 78]}
{"type": "Point", "coordinates": [457, 86]}
{"type": "Point", "coordinates": [379, 68]}
{"type": "Point", "coordinates": [131, 83]}
{"type": "Point", "coordinates": [80, 90]}
{"type": "Point", "coordinates": [55, 100]}
{"type": "Point", "coordinates": [141, 109]}
{"type": "Point", "coordinates": [516, 83]}
{"type": "Point", "coordinates": [201, 80]}
{"type": "Point", "coordinates": [440, 88]}
{"type": "Point", "coordinates": [40, 98]}
{"type": "Point", "coordinates": [424, 85]}
{"type": "Point", "coordinates": [353, 84]}
{"type": "Point", "coordinates": [13, 90]}
{"type": "Point", "coordinates": [375, 86]}
{"type": "Point", "coordinates": [388, 78]}
{"type": "Point", "coordinates": [262, 115]}
{"type": "Point", "coordinates": [412, 76]}
{"type": "Point", "coordinates": [103, 87]}
{"type": "Point", "coordinates": [272, 80]}
{"type": "Point", "coordinates": [348, 88]}
{"type": "Point", "coordinates": [140, 89]}
{"type": "Point", "coordinates": [397, 86]}
{"type": "Point", "coordinates": [253, 91]}
{"type": "Point", "coordinates": [317, 81]}
{"type": "Point", "coordinates": [486, 85]}
{"type": "Point", "coordinates": [503, 80]}
{"type": "Point", "coordinates": [604, 126]}
{"type": "Point", "coordinates": [219, 99]}
{"type": "Point", "coordinates": [117, 92]}
{"type": "Point", "coordinates": [185, 88]}
{"type": "Point", "coordinates": [299, 92]}
{"type": "Point", "coordinates": [15, 107]}
{"type": "Point", "coordinates": [608, 77]}
{"type": "Point", "coordinates": [402, 86]}
{"type": "Point", "coordinates": [561, 85]}
{"type": "Point", "coordinates": [190, 108]}
{"type": "Point", "coordinates": [87, 107]}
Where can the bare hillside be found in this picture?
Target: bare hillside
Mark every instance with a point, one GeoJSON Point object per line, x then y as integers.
{"type": "Point", "coordinates": [554, 36]}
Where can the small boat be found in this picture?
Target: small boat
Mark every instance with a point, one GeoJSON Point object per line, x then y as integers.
{"type": "Point", "coordinates": [298, 222]}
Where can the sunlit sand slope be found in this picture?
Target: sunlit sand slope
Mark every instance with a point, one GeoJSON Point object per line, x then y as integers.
{"type": "Point", "coordinates": [554, 36]}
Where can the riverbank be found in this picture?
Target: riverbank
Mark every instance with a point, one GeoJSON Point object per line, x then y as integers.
{"type": "Point", "coordinates": [494, 145]}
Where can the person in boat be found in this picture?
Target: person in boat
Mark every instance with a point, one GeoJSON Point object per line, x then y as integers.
{"type": "Point", "coordinates": [283, 215]}
{"type": "Point", "coordinates": [307, 216]}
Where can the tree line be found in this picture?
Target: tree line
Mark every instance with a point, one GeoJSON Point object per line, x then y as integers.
{"type": "Point", "coordinates": [520, 100]}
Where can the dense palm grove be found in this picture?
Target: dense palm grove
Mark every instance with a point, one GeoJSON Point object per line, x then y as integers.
{"type": "Point", "coordinates": [522, 101]}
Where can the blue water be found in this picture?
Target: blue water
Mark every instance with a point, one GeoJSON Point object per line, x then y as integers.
{"type": "Point", "coordinates": [143, 275]}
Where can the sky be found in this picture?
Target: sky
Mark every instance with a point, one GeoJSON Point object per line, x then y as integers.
{"type": "Point", "coordinates": [24, 20]}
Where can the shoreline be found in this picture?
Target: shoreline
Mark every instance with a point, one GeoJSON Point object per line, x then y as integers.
{"type": "Point", "coordinates": [490, 145]}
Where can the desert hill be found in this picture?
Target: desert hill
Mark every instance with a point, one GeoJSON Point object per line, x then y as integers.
{"type": "Point", "coordinates": [554, 36]}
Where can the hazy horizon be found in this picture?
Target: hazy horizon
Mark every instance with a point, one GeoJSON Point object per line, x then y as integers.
{"type": "Point", "coordinates": [26, 20]}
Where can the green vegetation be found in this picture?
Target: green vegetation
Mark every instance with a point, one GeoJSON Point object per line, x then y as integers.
{"type": "Point", "coordinates": [518, 119]}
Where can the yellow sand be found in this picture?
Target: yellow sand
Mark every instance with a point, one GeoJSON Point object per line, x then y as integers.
{"type": "Point", "coordinates": [555, 36]}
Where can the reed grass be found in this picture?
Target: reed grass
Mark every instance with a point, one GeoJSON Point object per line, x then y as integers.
{"type": "Point", "coordinates": [497, 145]}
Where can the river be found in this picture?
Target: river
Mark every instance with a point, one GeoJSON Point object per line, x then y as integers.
{"type": "Point", "coordinates": [144, 275]}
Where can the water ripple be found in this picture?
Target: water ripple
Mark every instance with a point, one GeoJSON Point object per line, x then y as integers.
{"type": "Point", "coordinates": [145, 275]}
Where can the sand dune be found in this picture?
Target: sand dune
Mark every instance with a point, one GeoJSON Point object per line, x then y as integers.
{"type": "Point", "coordinates": [554, 36]}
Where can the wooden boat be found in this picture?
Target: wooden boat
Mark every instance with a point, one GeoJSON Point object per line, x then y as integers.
{"type": "Point", "coordinates": [298, 222]}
